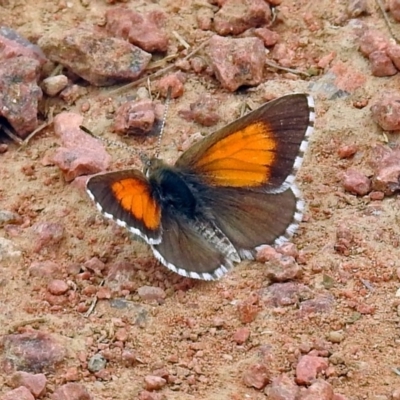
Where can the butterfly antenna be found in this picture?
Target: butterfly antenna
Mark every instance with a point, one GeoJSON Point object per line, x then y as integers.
{"type": "Point", "coordinates": [110, 143]}
{"type": "Point", "coordinates": [167, 101]}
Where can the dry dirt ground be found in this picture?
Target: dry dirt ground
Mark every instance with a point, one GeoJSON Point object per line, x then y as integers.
{"type": "Point", "coordinates": [190, 333]}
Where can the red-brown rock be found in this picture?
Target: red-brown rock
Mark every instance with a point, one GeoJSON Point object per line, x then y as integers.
{"type": "Point", "coordinates": [134, 118]}
{"type": "Point", "coordinates": [381, 64]}
{"type": "Point", "coordinates": [99, 59]}
{"type": "Point", "coordinates": [142, 30]}
{"type": "Point", "coordinates": [309, 367]}
{"type": "Point", "coordinates": [282, 268]}
{"type": "Point", "coordinates": [356, 182]}
{"type": "Point", "coordinates": [236, 16]}
{"type": "Point", "coordinates": [71, 391]}
{"type": "Point", "coordinates": [237, 62]}
{"type": "Point", "coordinates": [20, 94]}
{"type": "Point", "coordinates": [394, 6]}
{"type": "Point", "coordinates": [283, 388]}
{"type": "Point", "coordinates": [241, 335]}
{"type": "Point", "coordinates": [386, 111]}
{"type": "Point", "coordinates": [151, 293]}
{"type": "Point", "coordinates": [32, 351]}
{"type": "Point", "coordinates": [36, 383]}
{"type": "Point", "coordinates": [270, 38]}
{"type": "Point", "coordinates": [257, 376]}
{"type": "Point", "coordinates": [387, 172]}
{"type": "Point", "coordinates": [22, 393]}
{"type": "Point", "coordinates": [373, 40]}
{"type": "Point", "coordinates": [319, 390]}
{"type": "Point", "coordinates": [175, 82]}
{"type": "Point", "coordinates": [57, 287]}
{"type": "Point", "coordinates": [202, 111]}
{"type": "Point", "coordinates": [46, 234]}
{"type": "Point", "coordinates": [154, 382]}
{"type": "Point", "coordinates": [80, 153]}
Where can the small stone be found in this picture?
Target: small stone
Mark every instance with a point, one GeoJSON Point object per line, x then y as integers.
{"type": "Point", "coordinates": [71, 391]}
{"type": "Point", "coordinates": [356, 182]}
{"type": "Point", "coordinates": [174, 82]}
{"type": "Point", "coordinates": [146, 395]}
{"type": "Point", "coordinates": [46, 234]}
{"type": "Point", "coordinates": [387, 172]}
{"type": "Point", "coordinates": [95, 265]}
{"type": "Point", "coordinates": [36, 383]}
{"type": "Point", "coordinates": [236, 16]}
{"type": "Point", "coordinates": [202, 111]}
{"type": "Point", "coordinates": [319, 390]}
{"type": "Point", "coordinates": [54, 84]}
{"type": "Point", "coordinates": [3, 148]}
{"type": "Point", "coordinates": [282, 388]}
{"type": "Point", "coordinates": [336, 336]}
{"type": "Point", "coordinates": [393, 51]}
{"type": "Point", "coordinates": [95, 57]}
{"type": "Point", "coordinates": [57, 287]}
{"type": "Point", "coordinates": [308, 369]}
{"type": "Point", "coordinates": [241, 335]}
{"type": "Point", "coordinates": [386, 111]}
{"type": "Point", "coordinates": [151, 293]}
{"type": "Point", "coordinates": [135, 118]}
{"type": "Point", "coordinates": [21, 393]}
{"type": "Point", "coordinates": [257, 376]}
{"type": "Point", "coordinates": [347, 151]}
{"type": "Point", "coordinates": [104, 293]}
{"type": "Point", "coordinates": [355, 8]}
{"type": "Point", "coordinates": [44, 269]}
{"type": "Point", "coordinates": [283, 268]}
{"type": "Point", "coordinates": [381, 64]}
{"type": "Point", "coordinates": [32, 351]}
{"type": "Point", "coordinates": [237, 62]}
{"type": "Point", "coordinates": [96, 363]}
{"type": "Point", "coordinates": [121, 335]}
{"type": "Point", "coordinates": [373, 40]}
{"type": "Point", "coordinates": [270, 38]}
{"type": "Point", "coordinates": [154, 382]}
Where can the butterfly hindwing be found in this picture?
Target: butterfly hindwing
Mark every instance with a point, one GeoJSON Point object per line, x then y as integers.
{"type": "Point", "coordinates": [128, 198]}
{"type": "Point", "coordinates": [259, 151]}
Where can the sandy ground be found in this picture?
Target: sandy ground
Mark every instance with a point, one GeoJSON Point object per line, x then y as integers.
{"type": "Point", "coordinates": [190, 333]}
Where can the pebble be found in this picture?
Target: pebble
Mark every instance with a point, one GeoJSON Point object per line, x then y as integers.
{"type": "Point", "coordinates": [257, 376]}
{"type": "Point", "coordinates": [153, 382]}
{"type": "Point", "coordinates": [335, 336]}
{"type": "Point", "coordinates": [71, 391]}
{"type": "Point", "coordinates": [309, 367]}
{"type": "Point", "coordinates": [57, 287]}
{"type": "Point", "coordinates": [283, 268]}
{"type": "Point", "coordinates": [36, 383]}
{"type": "Point", "coordinates": [151, 293]}
{"type": "Point", "coordinates": [96, 363]}
{"type": "Point", "coordinates": [175, 82]}
{"type": "Point", "coordinates": [394, 6]}
{"type": "Point", "coordinates": [241, 335]}
{"type": "Point", "coordinates": [386, 111]}
{"type": "Point", "coordinates": [21, 393]}
{"type": "Point", "coordinates": [282, 388]}
{"type": "Point", "coordinates": [319, 390]}
{"type": "Point", "coordinates": [356, 182]}
{"type": "Point", "coordinates": [396, 394]}
{"type": "Point", "coordinates": [237, 62]}
{"type": "Point", "coordinates": [54, 84]}
{"type": "Point", "coordinates": [381, 64]}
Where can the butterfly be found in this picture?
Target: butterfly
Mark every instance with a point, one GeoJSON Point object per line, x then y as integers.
{"type": "Point", "coordinates": [227, 196]}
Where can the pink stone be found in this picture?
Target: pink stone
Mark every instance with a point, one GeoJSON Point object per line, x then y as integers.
{"type": "Point", "coordinates": [373, 40]}
{"type": "Point", "coordinates": [154, 382]}
{"type": "Point", "coordinates": [394, 6]}
{"type": "Point", "coordinates": [270, 38]}
{"type": "Point", "coordinates": [241, 335]}
{"type": "Point", "coordinates": [150, 293]}
{"type": "Point", "coordinates": [57, 287]}
{"type": "Point", "coordinates": [46, 234]}
{"type": "Point", "coordinates": [104, 293]}
{"type": "Point", "coordinates": [381, 64]}
{"type": "Point", "coordinates": [386, 111]}
{"type": "Point", "coordinates": [22, 393]}
{"type": "Point", "coordinates": [236, 16]}
{"type": "Point", "coordinates": [142, 30]}
{"type": "Point", "coordinates": [283, 388]}
{"type": "Point", "coordinates": [257, 376]}
{"type": "Point", "coordinates": [319, 390]}
{"type": "Point", "coordinates": [36, 383]}
{"type": "Point", "coordinates": [44, 269]}
{"type": "Point", "coordinates": [173, 81]}
{"type": "Point", "coordinates": [202, 111]}
{"type": "Point", "coordinates": [71, 391]}
{"type": "Point", "coordinates": [347, 151]}
{"type": "Point", "coordinates": [308, 369]}
{"type": "Point", "coordinates": [237, 62]}
{"type": "Point", "coordinates": [283, 268]}
{"type": "Point", "coordinates": [80, 153]}
{"type": "Point", "coordinates": [356, 182]}
{"type": "Point", "coordinates": [134, 118]}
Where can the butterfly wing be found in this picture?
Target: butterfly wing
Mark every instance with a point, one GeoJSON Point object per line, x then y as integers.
{"type": "Point", "coordinates": [187, 251]}
{"type": "Point", "coordinates": [261, 150]}
{"type": "Point", "coordinates": [128, 198]}
{"type": "Point", "coordinates": [250, 219]}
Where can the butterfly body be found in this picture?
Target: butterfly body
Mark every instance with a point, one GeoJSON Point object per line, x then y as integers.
{"type": "Point", "coordinates": [227, 195]}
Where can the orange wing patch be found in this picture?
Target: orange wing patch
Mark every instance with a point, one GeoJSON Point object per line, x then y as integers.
{"type": "Point", "coordinates": [134, 197]}
{"type": "Point", "coordinates": [243, 158]}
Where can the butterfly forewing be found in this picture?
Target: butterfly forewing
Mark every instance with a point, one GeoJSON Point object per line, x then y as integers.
{"type": "Point", "coordinates": [127, 197]}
